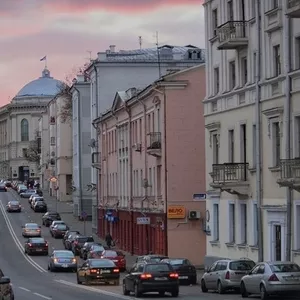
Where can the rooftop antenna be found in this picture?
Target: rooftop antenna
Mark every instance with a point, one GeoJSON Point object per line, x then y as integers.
{"type": "Point", "coordinates": [158, 55]}
{"type": "Point", "coordinates": [140, 41]}
{"type": "Point", "coordinates": [90, 55]}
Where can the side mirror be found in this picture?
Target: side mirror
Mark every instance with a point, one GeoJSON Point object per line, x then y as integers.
{"type": "Point", "coordinates": [206, 269]}
{"type": "Point", "coordinates": [4, 280]}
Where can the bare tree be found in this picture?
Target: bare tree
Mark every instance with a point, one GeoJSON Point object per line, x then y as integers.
{"type": "Point", "coordinates": [33, 150]}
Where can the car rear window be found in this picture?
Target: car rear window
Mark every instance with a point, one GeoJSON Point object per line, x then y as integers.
{"type": "Point", "coordinates": [37, 240]}
{"type": "Point", "coordinates": [111, 254]}
{"type": "Point", "coordinates": [32, 226]}
{"type": "Point", "coordinates": [61, 227]}
{"type": "Point", "coordinates": [14, 203]}
{"type": "Point", "coordinates": [156, 259]}
{"type": "Point", "coordinates": [285, 268]}
{"type": "Point", "coordinates": [157, 268]}
{"type": "Point", "coordinates": [241, 265]}
{"type": "Point", "coordinates": [68, 254]}
{"type": "Point", "coordinates": [101, 263]}
{"type": "Point", "coordinates": [176, 262]}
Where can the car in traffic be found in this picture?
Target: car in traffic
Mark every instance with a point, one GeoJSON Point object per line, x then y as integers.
{"type": "Point", "coordinates": [36, 246]}
{"type": "Point", "coordinates": [117, 257]}
{"type": "Point", "coordinates": [34, 200]}
{"type": "Point", "coordinates": [31, 230]}
{"type": "Point", "coordinates": [58, 231]}
{"type": "Point", "coordinates": [85, 249]}
{"type": "Point", "coordinates": [69, 241]}
{"type": "Point", "coordinates": [151, 277]}
{"type": "Point", "coordinates": [6, 289]}
{"type": "Point", "coordinates": [58, 222]}
{"type": "Point", "coordinates": [22, 188]}
{"type": "Point", "coordinates": [62, 260]}
{"type": "Point", "coordinates": [96, 251]}
{"type": "Point", "coordinates": [226, 274]}
{"type": "Point", "coordinates": [98, 271]}
{"type": "Point", "coordinates": [68, 234]}
{"type": "Point", "coordinates": [79, 241]}
{"type": "Point", "coordinates": [27, 193]}
{"type": "Point", "coordinates": [8, 184]}
{"type": "Point", "coordinates": [151, 258]}
{"type": "Point", "coordinates": [272, 278]}
{"type": "Point", "coordinates": [13, 206]}
{"type": "Point", "coordinates": [49, 217]}
{"type": "Point", "coordinates": [187, 272]}
{"type": "Point", "coordinates": [40, 206]}
{"type": "Point", "coordinates": [3, 188]}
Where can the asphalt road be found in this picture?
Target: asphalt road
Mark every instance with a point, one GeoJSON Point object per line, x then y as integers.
{"type": "Point", "coordinates": [29, 274]}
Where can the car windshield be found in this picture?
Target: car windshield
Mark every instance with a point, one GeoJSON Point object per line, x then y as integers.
{"type": "Point", "coordinates": [14, 202]}
{"type": "Point", "coordinates": [54, 215]}
{"type": "Point", "coordinates": [157, 268]}
{"type": "Point", "coordinates": [285, 268]}
{"type": "Point", "coordinates": [22, 187]}
{"type": "Point", "coordinates": [110, 254]}
{"type": "Point", "coordinates": [101, 263]}
{"type": "Point", "coordinates": [64, 254]}
{"type": "Point", "coordinates": [176, 262]}
{"type": "Point", "coordinates": [242, 265]}
{"type": "Point", "coordinates": [37, 240]}
{"type": "Point", "coordinates": [30, 191]}
{"type": "Point", "coordinates": [61, 227]}
{"type": "Point", "coordinates": [40, 203]}
{"type": "Point", "coordinates": [32, 226]}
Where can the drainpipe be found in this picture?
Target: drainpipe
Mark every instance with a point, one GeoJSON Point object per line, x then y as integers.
{"type": "Point", "coordinates": [79, 152]}
{"type": "Point", "coordinates": [130, 179]}
{"type": "Point", "coordinates": [287, 127]}
{"type": "Point", "coordinates": [105, 148]}
{"type": "Point", "coordinates": [258, 138]}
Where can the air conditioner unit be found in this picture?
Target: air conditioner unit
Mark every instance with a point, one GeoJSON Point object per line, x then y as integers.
{"type": "Point", "coordinates": [194, 215]}
{"type": "Point", "coordinates": [137, 147]}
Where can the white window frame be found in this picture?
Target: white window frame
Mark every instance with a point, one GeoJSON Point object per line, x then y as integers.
{"type": "Point", "coordinates": [52, 138]}
{"type": "Point", "coordinates": [244, 231]}
{"type": "Point", "coordinates": [216, 222]}
{"type": "Point", "coordinates": [232, 223]}
{"type": "Point", "coordinates": [296, 225]}
{"type": "Point", "coordinates": [296, 134]}
{"type": "Point", "coordinates": [213, 21]}
{"type": "Point", "coordinates": [297, 52]}
{"type": "Point", "coordinates": [253, 145]}
{"type": "Point", "coordinates": [232, 85]}
{"type": "Point", "coordinates": [231, 145]}
{"type": "Point", "coordinates": [273, 122]}
{"type": "Point", "coordinates": [242, 145]}
{"type": "Point", "coordinates": [255, 224]}
{"type": "Point", "coordinates": [216, 80]}
{"type": "Point", "coordinates": [244, 68]}
{"type": "Point", "coordinates": [214, 106]}
{"type": "Point", "coordinates": [275, 73]}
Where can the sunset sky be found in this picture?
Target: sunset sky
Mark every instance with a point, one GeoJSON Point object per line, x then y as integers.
{"type": "Point", "coordinates": [65, 30]}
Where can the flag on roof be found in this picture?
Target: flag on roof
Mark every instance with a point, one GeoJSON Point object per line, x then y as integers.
{"type": "Point", "coordinates": [44, 58]}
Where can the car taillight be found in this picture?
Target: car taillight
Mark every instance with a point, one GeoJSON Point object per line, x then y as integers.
{"type": "Point", "coordinates": [30, 245]}
{"type": "Point", "coordinates": [173, 275]}
{"type": "Point", "coordinates": [273, 277]}
{"type": "Point", "coordinates": [116, 270]}
{"type": "Point", "coordinates": [146, 276]}
{"type": "Point", "coordinates": [227, 276]}
{"type": "Point", "coordinates": [93, 271]}
{"type": "Point", "coordinates": [46, 244]}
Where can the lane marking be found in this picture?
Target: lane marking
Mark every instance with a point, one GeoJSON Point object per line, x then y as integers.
{"type": "Point", "coordinates": [17, 241]}
{"type": "Point", "coordinates": [24, 289]}
{"type": "Point", "coordinates": [42, 296]}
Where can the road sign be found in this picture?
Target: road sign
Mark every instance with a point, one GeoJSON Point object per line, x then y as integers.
{"type": "Point", "coordinates": [53, 179]}
{"type": "Point", "coordinates": [83, 214]}
{"type": "Point", "coordinates": [143, 221]}
{"type": "Point", "coordinates": [199, 197]}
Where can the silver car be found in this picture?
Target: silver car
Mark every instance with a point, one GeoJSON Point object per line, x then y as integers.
{"type": "Point", "coordinates": [272, 278]}
{"type": "Point", "coordinates": [63, 260]}
{"type": "Point", "coordinates": [28, 193]}
{"type": "Point", "coordinates": [31, 230]}
{"type": "Point", "coordinates": [225, 275]}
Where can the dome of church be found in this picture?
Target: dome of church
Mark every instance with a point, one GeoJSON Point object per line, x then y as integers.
{"type": "Point", "coordinates": [45, 86]}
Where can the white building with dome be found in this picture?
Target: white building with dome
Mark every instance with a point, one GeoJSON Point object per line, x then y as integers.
{"type": "Point", "coordinates": [19, 128]}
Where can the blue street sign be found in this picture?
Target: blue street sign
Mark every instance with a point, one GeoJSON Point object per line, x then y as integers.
{"type": "Point", "coordinates": [198, 197]}
{"type": "Point", "coordinates": [83, 214]}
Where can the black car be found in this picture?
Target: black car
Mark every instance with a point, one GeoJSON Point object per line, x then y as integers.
{"type": "Point", "coordinates": [8, 184]}
{"type": "Point", "coordinates": [3, 188]}
{"type": "Point", "coordinates": [151, 277]}
{"type": "Point", "coordinates": [79, 241]}
{"type": "Point", "coordinates": [151, 258]}
{"type": "Point", "coordinates": [6, 290]}
{"type": "Point", "coordinates": [98, 271]}
{"type": "Point", "coordinates": [84, 249]}
{"type": "Point", "coordinates": [59, 230]}
{"type": "Point", "coordinates": [40, 206]}
{"type": "Point", "coordinates": [186, 271]}
{"type": "Point", "coordinates": [36, 245]}
{"type": "Point", "coordinates": [13, 206]}
{"type": "Point", "coordinates": [49, 217]}
{"type": "Point", "coordinates": [68, 234]}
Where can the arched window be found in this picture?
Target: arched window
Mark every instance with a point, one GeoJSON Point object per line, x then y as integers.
{"type": "Point", "coordinates": [24, 130]}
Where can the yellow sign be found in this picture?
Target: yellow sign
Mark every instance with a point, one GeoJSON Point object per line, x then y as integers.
{"type": "Point", "coordinates": [53, 179]}
{"type": "Point", "coordinates": [176, 212]}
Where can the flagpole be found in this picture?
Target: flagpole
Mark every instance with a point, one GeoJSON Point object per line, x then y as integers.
{"type": "Point", "coordinates": [46, 62]}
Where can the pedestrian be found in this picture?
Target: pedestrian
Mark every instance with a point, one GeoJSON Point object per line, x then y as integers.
{"type": "Point", "coordinates": [108, 240]}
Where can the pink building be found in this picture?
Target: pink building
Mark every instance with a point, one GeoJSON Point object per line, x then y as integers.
{"type": "Point", "coordinates": [152, 164]}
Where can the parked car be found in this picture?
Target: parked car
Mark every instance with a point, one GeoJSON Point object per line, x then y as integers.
{"type": "Point", "coordinates": [151, 258]}
{"type": "Point", "coordinates": [6, 290]}
{"type": "Point", "coordinates": [272, 278]}
{"type": "Point", "coordinates": [3, 188]}
{"type": "Point", "coordinates": [79, 241]}
{"type": "Point", "coordinates": [13, 206]}
{"type": "Point", "coordinates": [117, 257]}
{"type": "Point", "coordinates": [59, 230]}
{"type": "Point", "coordinates": [27, 193]}
{"type": "Point", "coordinates": [31, 230]}
{"type": "Point", "coordinates": [96, 251]}
{"type": "Point", "coordinates": [185, 269]}
{"type": "Point", "coordinates": [68, 234]}
{"type": "Point", "coordinates": [40, 206]}
{"type": "Point", "coordinates": [49, 217]}
{"type": "Point", "coordinates": [151, 277]}
{"type": "Point", "coordinates": [225, 275]}
{"type": "Point", "coordinates": [63, 260]}
{"type": "Point", "coordinates": [98, 271]}
{"type": "Point", "coordinates": [85, 249]}
{"type": "Point", "coordinates": [69, 241]}
{"type": "Point", "coordinates": [35, 200]}
{"type": "Point", "coordinates": [36, 246]}
{"type": "Point", "coordinates": [7, 183]}
{"type": "Point", "coordinates": [54, 223]}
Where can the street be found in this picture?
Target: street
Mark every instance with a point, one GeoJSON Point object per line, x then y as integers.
{"type": "Point", "coordinates": [29, 274]}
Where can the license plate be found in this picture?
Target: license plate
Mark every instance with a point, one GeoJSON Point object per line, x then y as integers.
{"type": "Point", "coordinates": [65, 265]}
{"type": "Point", "coordinates": [183, 277]}
{"type": "Point", "coordinates": [40, 250]}
{"type": "Point", "coordinates": [292, 279]}
{"type": "Point", "coordinates": [104, 272]}
{"type": "Point", "coordinates": [161, 278]}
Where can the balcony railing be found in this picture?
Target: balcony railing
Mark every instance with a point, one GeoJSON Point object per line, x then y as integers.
{"type": "Point", "coordinates": [154, 141]}
{"type": "Point", "coordinates": [290, 168]}
{"type": "Point", "coordinates": [230, 172]}
{"type": "Point", "coordinates": [293, 8]}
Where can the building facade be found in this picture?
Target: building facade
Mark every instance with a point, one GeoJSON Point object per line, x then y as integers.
{"type": "Point", "coordinates": [82, 161]}
{"type": "Point", "coordinates": [251, 119]}
{"type": "Point", "coordinates": [152, 162]}
{"type": "Point", "coordinates": [120, 70]}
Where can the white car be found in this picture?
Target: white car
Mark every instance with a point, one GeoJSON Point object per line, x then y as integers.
{"type": "Point", "coordinates": [35, 200]}
{"type": "Point", "coordinates": [57, 223]}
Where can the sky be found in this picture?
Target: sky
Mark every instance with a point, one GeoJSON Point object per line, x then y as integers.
{"type": "Point", "coordinates": [67, 31]}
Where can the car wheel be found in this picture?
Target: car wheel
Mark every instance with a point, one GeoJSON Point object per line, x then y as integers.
{"type": "Point", "coordinates": [137, 292]}
{"type": "Point", "coordinates": [175, 293]}
{"type": "Point", "coordinates": [220, 288]}
{"type": "Point", "coordinates": [78, 281]}
{"type": "Point", "coordinates": [244, 292]}
{"type": "Point", "coordinates": [125, 291]}
{"type": "Point", "coordinates": [203, 286]}
{"type": "Point", "coordinates": [161, 294]}
{"type": "Point", "coordinates": [263, 293]}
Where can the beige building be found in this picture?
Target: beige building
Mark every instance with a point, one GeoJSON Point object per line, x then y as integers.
{"type": "Point", "coordinates": [235, 79]}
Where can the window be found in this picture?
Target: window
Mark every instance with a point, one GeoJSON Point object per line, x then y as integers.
{"type": "Point", "coordinates": [275, 4]}
{"type": "Point", "coordinates": [243, 223]}
{"type": "Point", "coordinates": [297, 53]}
{"type": "Point", "coordinates": [52, 141]}
{"type": "Point", "coordinates": [24, 130]}
{"type": "Point", "coordinates": [243, 133]}
{"type": "Point", "coordinates": [216, 81]}
{"type": "Point", "coordinates": [230, 10]}
{"type": "Point", "coordinates": [255, 225]}
{"type": "Point", "coordinates": [232, 78]}
{"type": "Point", "coordinates": [253, 7]}
{"type": "Point", "coordinates": [277, 60]}
{"type": "Point", "coordinates": [216, 222]}
{"type": "Point", "coordinates": [254, 66]}
{"type": "Point", "coordinates": [244, 70]}
{"type": "Point", "coordinates": [297, 226]}
{"type": "Point", "coordinates": [231, 223]}
{"type": "Point", "coordinates": [24, 152]}
{"type": "Point", "coordinates": [231, 145]}
{"type": "Point", "coordinates": [214, 106]}
{"type": "Point", "coordinates": [254, 146]}
{"type": "Point", "coordinates": [276, 139]}
{"type": "Point", "coordinates": [215, 145]}
{"type": "Point", "coordinates": [214, 21]}
{"type": "Point", "coordinates": [297, 136]}
{"type": "Point", "coordinates": [39, 145]}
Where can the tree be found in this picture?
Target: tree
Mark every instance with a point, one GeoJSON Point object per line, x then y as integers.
{"type": "Point", "coordinates": [33, 150]}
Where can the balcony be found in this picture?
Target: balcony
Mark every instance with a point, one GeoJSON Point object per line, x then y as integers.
{"type": "Point", "coordinates": [231, 177]}
{"type": "Point", "coordinates": [290, 173]}
{"type": "Point", "coordinates": [96, 160]}
{"type": "Point", "coordinates": [293, 8]}
{"type": "Point", "coordinates": [154, 144]}
{"type": "Point", "coordinates": [233, 35]}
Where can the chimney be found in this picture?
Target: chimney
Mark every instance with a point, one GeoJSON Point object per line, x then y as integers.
{"type": "Point", "coordinates": [112, 48]}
